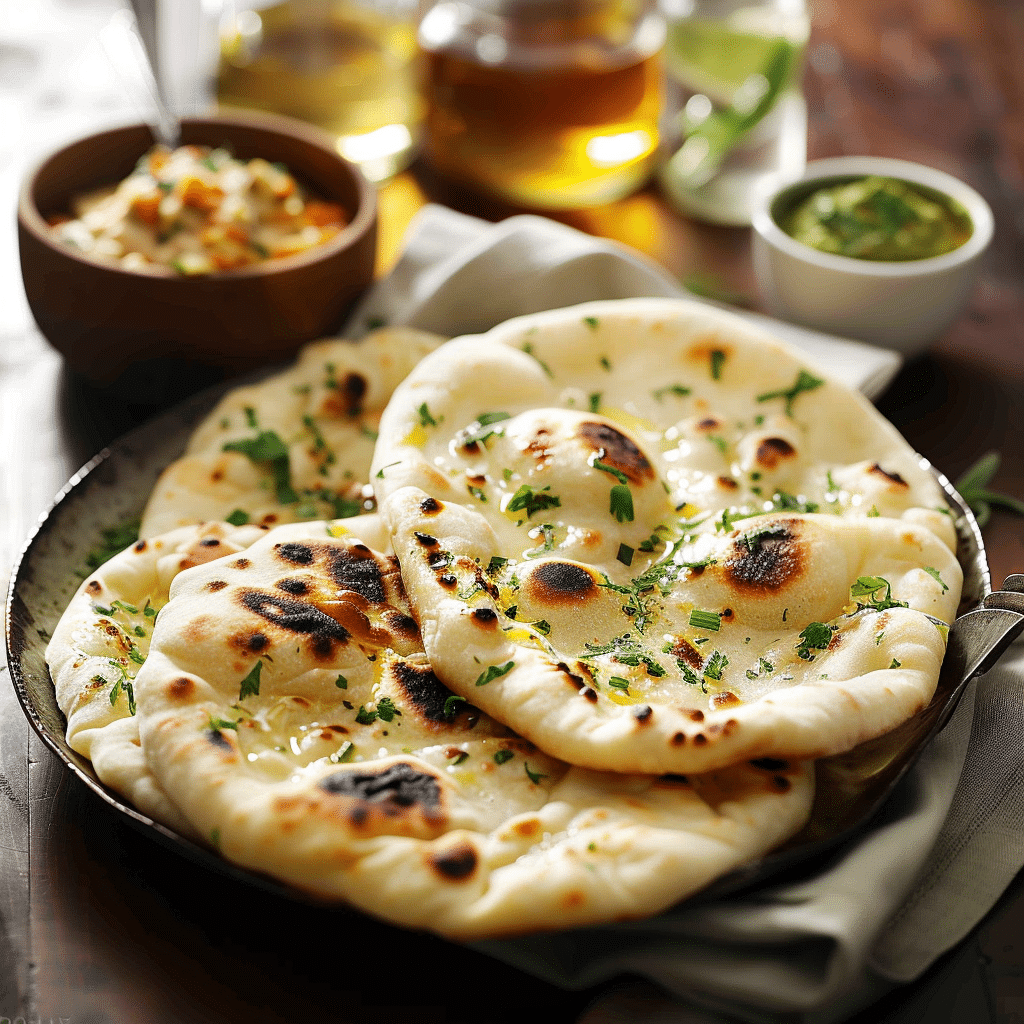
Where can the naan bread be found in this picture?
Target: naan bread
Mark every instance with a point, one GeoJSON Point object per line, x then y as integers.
{"type": "Point", "coordinates": [299, 443]}
{"type": "Point", "coordinates": [103, 638]}
{"type": "Point", "coordinates": [652, 549]}
{"type": "Point", "coordinates": [287, 708]}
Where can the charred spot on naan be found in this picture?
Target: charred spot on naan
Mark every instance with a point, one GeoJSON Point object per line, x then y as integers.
{"type": "Point", "coordinates": [615, 449]}
{"type": "Point", "coordinates": [457, 863]}
{"type": "Point", "coordinates": [423, 694]}
{"type": "Point", "coordinates": [766, 559]}
{"type": "Point", "coordinates": [773, 451]}
{"type": "Point", "coordinates": [559, 583]}
{"type": "Point", "coordinates": [396, 798]}
{"type": "Point", "coordinates": [346, 396]}
{"type": "Point", "coordinates": [289, 617]}
{"type": "Point", "coordinates": [893, 481]}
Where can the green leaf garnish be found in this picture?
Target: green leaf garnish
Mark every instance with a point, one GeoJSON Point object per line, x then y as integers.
{"type": "Point", "coordinates": [869, 587]}
{"type": "Point", "coordinates": [621, 503]}
{"type": "Point", "coordinates": [973, 488]}
{"type": "Point", "coordinates": [528, 500]}
{"type": "Point", "coordinates": [618, 683]}
{"type": "Point", "coordinates": [494, 672]}
{"type": "Point", "coordinates": [815, 637]}
{"type": "Point", "coordinates": [267, 447]}
{"type": "Point", "coordinates": [934, 573]}
{"type": "Point", "coordinates": [239, 517]}
{"type": "Point", "coordinates": [625, 555]}
{"type": "Point", "coordinates": [717, 362]}
{"type": "Point", "coordinates": [341, 683]}
{"type": "Point", "coordinates": [705, 620]}
{"type": "Point", "coordinates": [534, 777]}
{"type": "Point", "coordinates": [426, 420]}
{"type": "Point", "coordinates": [250, 686]}
{"type": "Point", "coordinates": [804, 382]}
{"type": "Point", "coordinates": [503, 755]}
{"type": "Point", "coordinates": [386, 709]}
{"type": "Point", "coordinates": [672, 389]}
{"type": "Point", "coordinates": [451, 703]}
{"type": "Point", "coordinates": [592, 322]}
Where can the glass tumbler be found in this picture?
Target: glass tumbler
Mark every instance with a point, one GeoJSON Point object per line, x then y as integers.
{"type": "Point", "coordinates": [347, 66]}
{"type": "Point", "coordinates": [735, 117]}
{"type": "Point", "coordinates": [549, 104]}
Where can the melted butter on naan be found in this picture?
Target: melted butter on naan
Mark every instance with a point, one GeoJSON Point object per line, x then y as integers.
{"type": "Point", "coordinates": [655, 508]}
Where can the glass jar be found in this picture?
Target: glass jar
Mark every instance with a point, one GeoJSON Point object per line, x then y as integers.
{"type": "Point", "coordinates": [550, 104]}
{"type": "Point", "coordinates": [347, 66]}
{"type": "Point", "coordinates": [735, 117]}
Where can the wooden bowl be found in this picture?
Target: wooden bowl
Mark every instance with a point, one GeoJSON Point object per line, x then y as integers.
{"type": "Point", "coordinates": [104, 319]}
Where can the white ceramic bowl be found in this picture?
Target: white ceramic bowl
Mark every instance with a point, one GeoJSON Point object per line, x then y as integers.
{"type": "Point", "coordinates": [901, 305]}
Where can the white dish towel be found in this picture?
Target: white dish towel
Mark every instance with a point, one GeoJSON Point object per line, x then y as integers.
{"type": "Point", "coordinates": [946, 845]}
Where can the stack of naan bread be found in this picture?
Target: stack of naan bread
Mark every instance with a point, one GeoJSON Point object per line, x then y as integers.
{"type": "Point", "coordinates": [619, 574]}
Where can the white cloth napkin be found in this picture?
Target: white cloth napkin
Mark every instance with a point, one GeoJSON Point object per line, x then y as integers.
{"type": "Point", "coordinates": [947, 843]}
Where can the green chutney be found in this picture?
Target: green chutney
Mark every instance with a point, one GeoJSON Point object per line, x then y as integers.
{"type": "Point", "coordinates": [874, 218]}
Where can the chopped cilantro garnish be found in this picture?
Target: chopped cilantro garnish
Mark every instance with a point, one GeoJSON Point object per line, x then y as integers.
{"type": "Point", "coordinates": [594, 401]}
{"type": "Point", "coordinates": [534, 777]}
{"type": "Point", "coordinates": [528, 500]}
{"type": "Point", "coordinates": [705, 620]}
{"type": "Point", "coordinates": [804, 382]}
{"type": "Point", "coordinates": [451, 703]}
{"type": "Point", "coordinates": [494, 672]}
{"type": "Point", "coordinates": [239, 517]}
{"type": "Point", "coordinates": [268, 447]}
{"type": "Point", "coordinates": [715, 665]}
{"type": "Point", "coordinates": [114, 539]}
{"type": "Point", "coordinates": [605, 468]}
{"type": "Point", "coordinates": [426, 420]}
{"type": "Point", "coordinates": [344, 752]}
{"type": "Point", "coordinates": [717, 361]}
{"type": "Point", "coordinates": [547, 532]}
{"type": "Point", "coordinates": [895, 663]}
{"type": "Point", "coordinates": [592, 322]}
{"type": "Point", "coordinates": [365, 717]}
{"type": "Point", "coordinates": [934, 573]}
{"type": "Point", "coordinates": [477, 432]}
{"type": "Point", "coordinates": [671, 389]}
{"type": "Point", "coordinates": [605, 364]}
{"type": "Point", "coordinates": [815, 637]}
{"type": "Point", "coordinates": [869, 586]}
{"type": "Point", "coordinates": [627, 651]}
{"type": "Point", "coordinates": [341, 683]}
{"type": "Point", "coordinates": [250, 685]}
{"type": "Point", "coordinates": [386, 709]}
{"type": "Point", "coordinates": [503, 755]}
{"type": "Point", "coordinates": [528, 349]}
{"type": "Point", "coordinates": [621, 503]}
{"type": "Point", "coordinates": [496, 563]}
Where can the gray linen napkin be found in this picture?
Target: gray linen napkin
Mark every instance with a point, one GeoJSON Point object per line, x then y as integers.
{"type": "Point", "coordinates": [947, 843]}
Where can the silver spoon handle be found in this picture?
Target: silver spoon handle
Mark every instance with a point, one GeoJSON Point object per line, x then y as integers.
{"type": "Point", "coordinates": [124, 49]}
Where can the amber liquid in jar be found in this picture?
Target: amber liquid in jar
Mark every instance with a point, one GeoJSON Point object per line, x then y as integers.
{"type": "Point", "coordinates": [543, 128]}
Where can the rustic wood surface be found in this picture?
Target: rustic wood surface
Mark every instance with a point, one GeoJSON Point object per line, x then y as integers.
{"type": "Point", "coordinates": [98, 923]}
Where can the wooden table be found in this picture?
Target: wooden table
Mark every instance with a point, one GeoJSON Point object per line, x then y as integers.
{"type": "Point", "coordinates": [99, 923]}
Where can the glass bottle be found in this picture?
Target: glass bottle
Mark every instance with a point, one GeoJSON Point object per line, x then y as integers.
{"type": "Point", "coordinates": [550, 104]}
{"type": "Point", "coordinates": [347, 66]}
{"type": "Point", "coordinates": [735, 117]}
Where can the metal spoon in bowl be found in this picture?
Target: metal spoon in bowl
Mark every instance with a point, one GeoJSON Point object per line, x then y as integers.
{"type": "Point", "coordinates": [134, 63]}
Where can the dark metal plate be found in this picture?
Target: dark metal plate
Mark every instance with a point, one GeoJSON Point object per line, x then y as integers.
{"type": "Point", "coordinates": [113, 488]}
